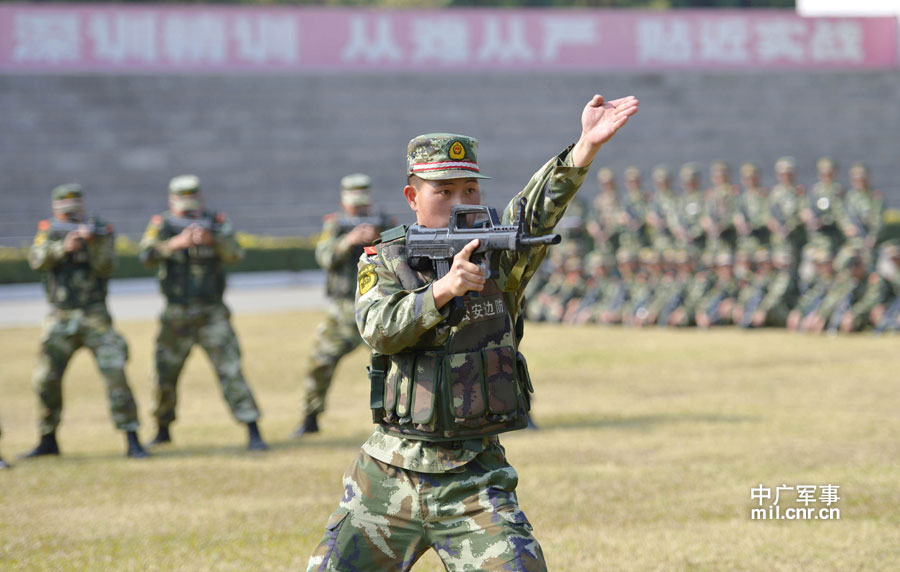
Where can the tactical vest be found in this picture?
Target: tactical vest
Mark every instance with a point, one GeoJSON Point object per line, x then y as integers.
{"type": "Point", "coordinates": [192, 275]}
{"type": "Point", "coordinates": [458, 382]}
{"type": "Point", "coordinates": [340, 282]}
{"type": "Point", "coordinates": [71, 283]}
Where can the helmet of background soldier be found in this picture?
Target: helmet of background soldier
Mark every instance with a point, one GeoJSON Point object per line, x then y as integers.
{"type": "Point", "coordinates": [440, 156]}
{"type": "Point", "coordinates": [184, 193]}
{"type": "Point", "coordinates": [660, 174]}
{"type": "Point", "coordinates": [826, 166]}
{"type": "Point", "coordinates": [689, 172]}
{"type": "Point", "coordinates": [749, 170]}
{"type": "Point", "coordinates": [632, 173]}
{"type": "Point", "coordinates": [785, 164]}
{"type": "Point", "coordinates": [67, 198]}
{"type": "Point", "coordinates": [605, 176]}
{"type": "Point", "coordinates": [355, 190]}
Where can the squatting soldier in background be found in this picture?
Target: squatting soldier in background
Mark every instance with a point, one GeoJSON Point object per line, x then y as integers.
{"type": "Point", "coordinates": [641, 289]}
{"type": "Point", "coordinates": [343, 237]}
{"type": "Point", "coordinates": [599, 286]}
{"type": "Point", "coordinates": [781, 293]}
{"type": "Point", "coordinates": [848, 286]}
{"type": "Point", "coordinates": [609, 309]}
{"type": "Point", "coordinates": [632, 216]}
{"type": "Point", "coordinates": [714, 309]}
{"type": "Point", "coordinates": [812, 294]}
{"type": "Point", "coordinates": [720, 206]}
{"type": "Point", "coordinates": [862, 212]}
{"type": "Point", "coordinates": [880, 304]}
{"type": "Point", "coordinates": [701, 282]}
{"type": "Point", "coordinates": [433, 474]}
{"type": "Point", "coordinates": [663, 212]}
{"type": "Point", "coordinates": [76, 255]}
{"type": "Point", "coordinates": [753, 293]}
{"type": "Point", "coordinates": [189, 245]}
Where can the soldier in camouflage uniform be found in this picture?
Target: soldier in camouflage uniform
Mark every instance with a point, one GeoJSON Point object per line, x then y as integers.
{"type": "Point", "coordinates": [781, 294]}
{"type": "Point", "coordinates": [754, 291]}
{"type": "Point", "coordinates": [785, 202]}
{"type": "Point", "coordinates": [604, 226]}
{"type": "Point", "coordinates": [880, 303]}
{"type": "Point", "coordinates": [720, 206]}
{"type": "Point", "coordinates": [600, 286]}
{"type": "Point", "coordinates": [434, 475]}
{"type": "Point", "coordinates": [343, 237]}
{"type": "Point", "coordinates": [188, 246]}
{"type": "Point", "coordinates": [76, 255]}
{"type": "Point", "coordinates": [640, 293]}
{"type": "Point", "coordinates": [663, 210]}
{"type": "Point", "coordinates": [609, 310]}
{"type": "Point", "coordinates": [861, 213]}
{"type": "Point", "coordinates": [682, 315]}
{"type": "Point", "coordinates": [824, 201]}
{"type": "Point", "coordinates": [687, 228]}
{"type": "Point", "coordinates": [714, 309]}
{"type": "Point", "coordinates": [847, 288]}
{"type": "Point", "coordinates": [632, 216]}
{"type": "Point", "coordinates": [752, 211]}
{"type": "Point", "coordinates": [812, 294]}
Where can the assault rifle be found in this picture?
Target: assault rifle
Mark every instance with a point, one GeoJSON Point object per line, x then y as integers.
{"type": "Point", "coordinates": [67, 226]}
{"type": "Point", "coordinates": [348, 223]}
{"type": "Point", "coordinates": [178, 223]}
{"type": "Point", "coordinates": [435, 248]}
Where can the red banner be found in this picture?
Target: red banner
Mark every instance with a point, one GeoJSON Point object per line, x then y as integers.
{"type": "Point", "coordinates": [178, 39]}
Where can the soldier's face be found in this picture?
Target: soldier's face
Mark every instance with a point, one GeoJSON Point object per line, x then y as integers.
{"type": "Point", "coordinates": [432, 200]}
{"type": "Point", "coordinates": [356, 210]}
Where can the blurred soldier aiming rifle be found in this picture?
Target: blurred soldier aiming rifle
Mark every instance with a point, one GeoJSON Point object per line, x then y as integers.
{"type": "Point", "coordinates": [344, 235]}
{"type": "Point", "coordinates": [189, 260]}
{"type": "Point", "coordinates": [76, 255]}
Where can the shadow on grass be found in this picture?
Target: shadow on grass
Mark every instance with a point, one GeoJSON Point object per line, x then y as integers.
{"type": "Point", "coordinates": [641, 421]}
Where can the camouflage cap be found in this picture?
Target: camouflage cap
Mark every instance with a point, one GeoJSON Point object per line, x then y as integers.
{"type": "Point", "coordinates": [67, 198]}
{"type": "Point", "coordinates": [724, 258]}
{"type": "Point", "coordinates": [632, 173]}
{"type": "Point", "coordinates": [605, 175]}
{"type": "Point", "coordinates": [761, 255]}
{"type": "Point", "coordinates": [785, 165]}
{"type": "Point", "coordinates": [821, 255]}
{"type": "Point", "coordinates": [689, 171]}
{"type": "Point", "coordinates": [648, 256]}
{"type": "Point", "coordinates": [782, 256]}
{"type": "Point", "coordinates": [825, 165]}
{"type": "Point", "coordinates": [184, 193]}
{"type": "Point", "coordinates": [624, 255]}
{"type": "Point", "coordinates": [439, 156]}
{"type": "Point", "coordinates": [749, 170]}
{"type": "Point", "coordinates": [660, 173]}
{"type": "Point", "coordinates": [718, 166]}
{"type": "Point", "coordinates": [355, 190]}
{"type": "Point", "coordinates": [858, 170]}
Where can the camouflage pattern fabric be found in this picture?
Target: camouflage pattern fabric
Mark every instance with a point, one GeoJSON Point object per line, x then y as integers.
{"type": "Point", "coordinates": [389, 516]}
{"type": "Point", "coordinates": [64, 332]}
{"type": "Point", "coordinates": [335, 337]}
{"type": "Point", "coordinates": [208, 325]}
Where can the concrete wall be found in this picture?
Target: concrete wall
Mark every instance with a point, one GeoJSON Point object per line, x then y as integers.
{"type": "Point", "coordinates": [271, 150]}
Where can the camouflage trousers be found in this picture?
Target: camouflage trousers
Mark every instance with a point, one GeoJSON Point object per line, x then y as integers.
{"type": "Point", "coordinates": [390, 516]}
{"type": "Point", "coordinates": [337, 336]}
{"type": "Point", "coordinates": [209, 325]}
{"type": "Point", "coordinates": [64, 332]}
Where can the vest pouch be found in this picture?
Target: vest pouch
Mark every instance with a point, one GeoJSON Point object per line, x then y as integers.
{"type": "Point", "coordinates": [465, 383]}
{"type": "Point", "coordinates": [398, 393]}
{"type": "Point", "coordinates": [425, 388]}
{"type": "Point", "coordinates": [524, 379]}
{"type": "Point", "coordinates": [500, 377]}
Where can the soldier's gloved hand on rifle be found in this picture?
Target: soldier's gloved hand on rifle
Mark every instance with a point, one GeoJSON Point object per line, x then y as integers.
{"type": "Point", "coordinates": [464, 276]}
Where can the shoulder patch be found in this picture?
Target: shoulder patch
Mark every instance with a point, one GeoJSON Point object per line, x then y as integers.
{"type": "Point", "coordinates": [44, 225]}
{"type": "Point", "coordinates": [329, 217]}
{"type": "Point", "coordinates": [220, 218]}
{"type": "Point", "coordinates": [393, 233]}
{"type": "Point", "coordinates": [367, 278]}
{"type": "Point", "coordinates": [370, 250]}
{"type": "Point", "coordinates": [156, 219]}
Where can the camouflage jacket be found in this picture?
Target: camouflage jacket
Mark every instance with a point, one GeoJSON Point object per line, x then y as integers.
{"type": "Point", "coordinates": [73, 279]}
{"type": "Point", "coordinates": [339, 258]}
{"type": "Point", "coordinates": [880, 289]}
{"type": "Point", "coordinates": [192, 275]}
{"type": "Point", "coordinates": [782, 291]}
{"type": "Point", "coordinates": [841, 295]}
{"type": "Point", "coordinates": [392, 319]}
{"type": "Point", "coordinates": [862, 210]}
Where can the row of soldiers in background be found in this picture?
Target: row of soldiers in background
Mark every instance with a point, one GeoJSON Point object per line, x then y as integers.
{"type": "Point", "coordinates": [753, 257]}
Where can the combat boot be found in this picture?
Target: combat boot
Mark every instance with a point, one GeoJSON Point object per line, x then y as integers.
{"type": "Point", "coordinates": [135, 450]}
{"type": "Point", "coordinates": [256, 442]}
{"type": "Point", "coordinates": [47, 446]}
{"type": "Point", "coordinates": [4, 464]}
{"type": "Point", "coordinates": [162, 436]}
{"type": "Point", "coordinates": [310, 425]}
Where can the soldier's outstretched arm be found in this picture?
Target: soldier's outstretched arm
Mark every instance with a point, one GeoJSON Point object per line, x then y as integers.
{"type": "Point", "coordinates": [600, 121]}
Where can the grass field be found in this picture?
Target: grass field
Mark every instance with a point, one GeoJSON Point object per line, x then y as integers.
{"type": "Point", "coordinates": [650, 442]}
